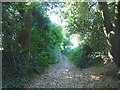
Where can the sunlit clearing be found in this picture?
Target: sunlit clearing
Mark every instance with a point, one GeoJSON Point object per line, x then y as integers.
{"type": "Point", "coordinates": [74, 40]}
{"type": "Point", "coordinates": [53, 16]}
{"type": "Point", "coordinates": [55, 19]}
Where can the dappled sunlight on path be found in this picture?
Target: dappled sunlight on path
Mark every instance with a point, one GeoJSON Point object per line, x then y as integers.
{"type": "Point", "coordinates": [66, 75]}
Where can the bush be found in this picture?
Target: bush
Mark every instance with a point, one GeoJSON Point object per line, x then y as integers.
{"type": "Point", "coordinates": [81, 56]}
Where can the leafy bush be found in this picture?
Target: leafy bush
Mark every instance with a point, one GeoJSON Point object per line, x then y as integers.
{"type": "Point", "coordinates": [45, 42]}
{"type": "Point", "coordinates": [81, 56]}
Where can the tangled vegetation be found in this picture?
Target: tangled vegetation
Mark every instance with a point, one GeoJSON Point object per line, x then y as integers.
{"type": "Point", "coordinates": [94, 24]}
{"type": "Point", "coordinates": [32, 42]}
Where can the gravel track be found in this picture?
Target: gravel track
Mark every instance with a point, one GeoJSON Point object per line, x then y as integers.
{"type": "Point", "coordinates": [66, 75]}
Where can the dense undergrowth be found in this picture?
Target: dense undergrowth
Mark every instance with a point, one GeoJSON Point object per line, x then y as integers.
{"type": "Point", "coordinates": [31, 42]}
{"type": "Point", "coordinates": [44, 49]}
{"type": "Point", "coordinates": [82, 56]}
{"type": "Point", "coordinates": [87, 23]}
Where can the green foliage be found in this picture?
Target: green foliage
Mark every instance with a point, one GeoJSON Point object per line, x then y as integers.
{"type": "Point", "coordinates": [86, 20]}
{"type": "Point", "coordinates": [81, 56]}
{"type": "Point", "coordinates": [46, 39]}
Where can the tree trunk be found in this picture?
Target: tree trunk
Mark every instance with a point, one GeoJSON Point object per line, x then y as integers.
{"type": "Point", "coordinates": [106, 14]}
{"type": "Point", "coordinates": [25, 34]}
{"type": "Point", "coordinates": [112, 33]}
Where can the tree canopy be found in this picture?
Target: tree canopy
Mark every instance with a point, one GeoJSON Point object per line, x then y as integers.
{"type": "Point", "coordinates": [32, 42]}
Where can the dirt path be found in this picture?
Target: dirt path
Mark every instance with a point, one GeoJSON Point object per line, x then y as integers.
{"type": "Point", "coordinates": [66, 75]}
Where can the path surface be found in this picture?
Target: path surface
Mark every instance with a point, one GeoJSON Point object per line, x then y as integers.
{"type": "Point", "coordinates": [66, 75]}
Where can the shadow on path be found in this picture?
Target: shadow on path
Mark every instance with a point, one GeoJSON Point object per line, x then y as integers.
{"type": "Point", "coordinates": [66, 75]}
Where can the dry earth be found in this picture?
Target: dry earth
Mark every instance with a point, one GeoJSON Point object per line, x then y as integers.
{"type": "Point", "coordinates": [66, 75]}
